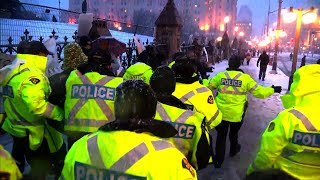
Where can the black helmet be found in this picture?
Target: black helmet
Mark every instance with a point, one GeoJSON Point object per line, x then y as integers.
{"type": "Point", "coordinates": [234, 62]}
{"type": "Point", "coordinates": [163, 80]}
{"type": "Point", "coordinates": [134, 100]}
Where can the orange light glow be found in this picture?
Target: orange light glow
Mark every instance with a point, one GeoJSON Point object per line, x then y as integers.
{"type": "Point", "coordinates": [221, 27]}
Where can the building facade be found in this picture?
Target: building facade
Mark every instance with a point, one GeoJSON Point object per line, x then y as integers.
{"type": "Point", "coordinates": [207, 14]}
{"type": "Point", "coordinates": [244, 22]}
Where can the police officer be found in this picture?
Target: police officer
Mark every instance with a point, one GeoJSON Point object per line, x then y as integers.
{"type": "Point", "coordinates": [8, 167]}
{"type": "Point", "coordinates": [90, 92]}
{"type": "Point", "coordinates": [148, 60]}
{"type": "Point", "coordinates": [193, 138]}
{"type": "Point", "coordinates": [129, 147]}
{"type": "Point", "coordinates": [291, 142]}
{"type": "Point", "coordinates": [190, 91]}
{"type": "Point", "coordinates": [233, 86]}
{"type": "Point", "coordinates": [28, 112]}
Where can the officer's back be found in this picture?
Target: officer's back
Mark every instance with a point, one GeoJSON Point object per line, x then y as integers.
{"type": "Point", "coordinates": [129, 147]}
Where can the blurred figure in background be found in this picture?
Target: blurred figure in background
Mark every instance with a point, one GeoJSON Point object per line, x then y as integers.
{"type": "Point", "coordinates": [303, 61]}
{"type": "Point", "coordinates": [264, 61]}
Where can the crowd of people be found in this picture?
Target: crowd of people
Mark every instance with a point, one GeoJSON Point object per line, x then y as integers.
{"type": "Point", "coordinates": [153, 122]}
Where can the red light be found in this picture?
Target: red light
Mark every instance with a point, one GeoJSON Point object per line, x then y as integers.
{"type": "Point", "coordinates": [71, 20]}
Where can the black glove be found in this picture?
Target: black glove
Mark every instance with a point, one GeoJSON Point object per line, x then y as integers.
{"type": "Point", "coordinates": [277, 89]}
{"type": "Point", "coordinates": [257, 65]}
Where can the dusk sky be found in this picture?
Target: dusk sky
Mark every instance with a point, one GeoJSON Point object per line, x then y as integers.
{"type": "Point", "coordinates": [259, 10]}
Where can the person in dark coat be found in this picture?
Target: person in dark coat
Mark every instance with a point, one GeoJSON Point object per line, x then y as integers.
{"type": "Point", "coordinates": [163, 83]}
{"type": "Point", "coordinates": [303, 61]}
{"type": "Point", "coordinates": [264, 61]}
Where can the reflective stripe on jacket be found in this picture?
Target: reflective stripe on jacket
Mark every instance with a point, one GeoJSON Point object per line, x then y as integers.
{"type": "Point", "coordinates": [28, 109]}
{"type": "Point", "coordinates": [189, 127]}
{"type": "Point", "coordinates": [89, 101]}
{"type": "Point", "coordinates": [291, 143]}
{"type": "Point", "coordinates": [122, 153]}
{"type": "Point", "coordinates": [202, 99]}
{"type": "Point", "coordinates": [233, 87]}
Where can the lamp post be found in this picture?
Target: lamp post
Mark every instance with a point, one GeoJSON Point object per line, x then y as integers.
{"type": "Point", "coordinates": [276, 46]}
{"type": "Point", "coordinates": [226, 20]}
{"type": "Point", "coordinates": [311, 15]}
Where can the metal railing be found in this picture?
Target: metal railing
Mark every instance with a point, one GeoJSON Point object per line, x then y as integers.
{"type": "Point", "coordinates": [127, 58]}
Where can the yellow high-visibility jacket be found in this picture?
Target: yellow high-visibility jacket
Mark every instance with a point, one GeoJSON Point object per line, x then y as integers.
{"type": "Point", "coordinates": [8, 165]}
{"type": "Point", "coordinates": [192, 138]}
{"type": "Point", "coordinates": [89, 101]}
{"type": "Point", "coordinates": [233, 87]}
{"type": "Point", "coordinates": [26, 103]}
{"type": "Point", "coordinates": [125, 155]}
{"type": "Point", "coordinates": [291, 142]}
{"type": "Point", "coordinates": [202, 99]}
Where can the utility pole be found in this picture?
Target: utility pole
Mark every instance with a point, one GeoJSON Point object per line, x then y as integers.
{"type": "Point", "coordinates": [269, 49]}
{"type": "Point", "coordinates": [276, 48]}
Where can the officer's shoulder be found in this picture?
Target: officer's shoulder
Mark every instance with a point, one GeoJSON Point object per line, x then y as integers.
{"type": "Point", "coordinates": [287, 115]}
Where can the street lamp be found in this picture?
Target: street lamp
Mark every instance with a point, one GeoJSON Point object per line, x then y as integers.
{"type": "Point", "coordinates": [299, 13]}
{"type": "Point", "coordinates": [226, 21]}
{"type": "Point", "coordinates": [241, 34]}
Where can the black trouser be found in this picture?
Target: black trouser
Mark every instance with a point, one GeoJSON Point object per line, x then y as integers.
{"type": "Point", "coordinates": [18, 151]}
{"type": "Point", "coordinates": [222, 132]}
{"type": "Point", "coordinates": [41, 161]}
{"type": "Point", "coordinates": [262, 72]}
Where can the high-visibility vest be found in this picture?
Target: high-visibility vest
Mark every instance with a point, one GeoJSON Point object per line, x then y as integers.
{"type": "Point", "coordinates": [301, 157]}
{"type": "Point", "coordinates": [297, 144]}
{"type": "Point", "coordinates": [125, 155]}
{"type": "Point", "coordinates": [27, 109]}
{"type": "Point", "coordinates": [89, 101]}
{"type": "Point", "coordinates": [202, 99]}
{"type": "Point", "coordinates": [233, 87]}
{"type": "Point", "coordinates": [190, 128]}
{"type": "Point", "coordinates": [8, 165]}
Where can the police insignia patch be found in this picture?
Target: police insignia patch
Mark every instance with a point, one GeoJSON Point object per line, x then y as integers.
{"type": "Point", "coordinates": [35, 80]}
{"type": "Point", "coordinates": [210, 99]}
{"type": "Point", "coordinates": [271, 126]}
{"type": "Point", "coordinates": [187, 165]}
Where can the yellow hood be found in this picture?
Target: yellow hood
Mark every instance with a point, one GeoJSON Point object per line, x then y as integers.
{"type": "Point", "coordinates": [305, 83]}
{"type": "Point", "coordinates": [27, 60]}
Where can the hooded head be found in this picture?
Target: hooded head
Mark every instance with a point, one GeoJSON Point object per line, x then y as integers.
{"type": "Point", "coordinates": [184, 68]}
{"type": "Point", "coordinates": [163, 80]}
{"type": "Point", "coordinates": [304, 88]}
{"type": "Point", "coordinates": [134, 100]}
{"type": "Point", "coordinates": [73, 56]}
{"type": "Point", "coordinates": [101, 61]}
{"type": "Point", "coordinates": [234, 62]}
{"type": "Point", "coordinates": [38, 48]}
